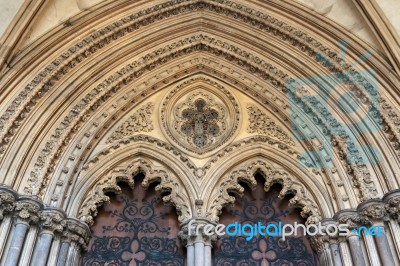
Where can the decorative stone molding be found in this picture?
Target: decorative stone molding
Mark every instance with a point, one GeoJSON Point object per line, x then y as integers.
{"type": "Point", "coordinates": [198, 118]}
{"type": "Point", "coordinates": [367, 189]}
{"type": "Point", "coordinates": [245, 173]}
{"type": "Point", "coordinates": [199, 172]}
{"type": "Point", "coordinates": [8, 199]}
{"type": "Point", "coordinates": [349, 217]}
{"type": "Point", "coordinates": [260, 123]}
{"type": "Point", "coordinates": [373, 211]}
{"type": "Point", "coordinates": [52, 221]}
{"type": "Point", "coordinates": [140, 121]}
{"type": "Point", "coordinates": [77, 232]}
{"type": "Point", "coordinates": [102, 38]}
{"type": "Point", "coordinates": [28, 209]}
{"type": "Point", "coordinates": [392, 204]}
{"type": "Point", "coordinates": [97, 197]}
{"type": "Point", "coordinates": [192, 236]}
{"type": "Point", "coordinates": [319, 243]}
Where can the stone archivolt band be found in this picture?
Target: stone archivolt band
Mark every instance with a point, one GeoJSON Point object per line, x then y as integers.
{"type": "Point", "coordinates": [26, 214]}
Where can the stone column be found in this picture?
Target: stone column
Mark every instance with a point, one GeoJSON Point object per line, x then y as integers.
{"type": "Point", "coordinates": [373, 213]}
{"type": "Point", "coordinates": [75, 240]}
{"type": "Point", "coordinates": [8, 199]}
{"type": "Point", "coordinates": [335, 252]}
{"type": "Point", "coordinates": [199, 249]}
{"type": "Point", "coordinates": [198, 235]}
{"type": "Point", "coordinates": [320, 244]}
{"type": "Point", "coordinates": [52, 221]}
{"type": "Point", "coordinates": [208, 250]}
{"type": "Point", "coordinates": [331, 230]}
{"type": "Point", "coordinates": [356, 250]}
{"type": "Point", "coordinates": [27, 211]}
{"type": "Point", "coordinates": [352, 219]}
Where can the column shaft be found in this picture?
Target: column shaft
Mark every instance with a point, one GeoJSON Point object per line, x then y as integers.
{"type": "Point", "coordinates": [336, 256]}
{"type": "Point", "coordinates": [385, 253]}
{"type": "Point", "coordinates": [325, 258]}
{"type": "Point", "coordinates": [42, 249]}
{"type": "Point", "coordinates": [190, 255]}
{"type": "Point", "coordinates": [199, 254]}
{"type": "Point", "coordinates": [17, 242]}
{"type": "Point", "coordinates": [63, 255]}
{"type": "Point", "coordinates": [356, 250]}
{"type": "Point", "coordinates": [208, 261]}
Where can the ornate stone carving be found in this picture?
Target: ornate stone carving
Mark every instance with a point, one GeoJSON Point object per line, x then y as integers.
{"type": "Point", "coordinates": [310, 209]}
{"type": "Point", "coordinates": [319, 243]}
{"type": "Point", "coordinates": [190, 237]}
{"type": "Point", "coordinates": [97, 197]}
{"type": "Point", "coordinates": [349, 217]}
{"type": "Point", "coordinates": [264, 70]}
{"type": "Point", "coordinates": [103, 37]}
{"type": "Point", "coordinates": [197, 118]}
{"type": "Point", "coordinates": [53, 221]}
{"type": "Point", "coordinates": [7, 201]}
{"type": "Point", "coordinates": [392, 204]}
{"type": "Point", "coordinates": [260, 123]}
{"type": "Point", "coordinates": [373, 211]}
{"type": "Point", "coordinates": [140, 121]}
{"type": "Point", "coordinates": [28, 210]}
{"type": "Point", "coordinates": [199, 172]}
{"type": "Point", "coordinates": [78, 233]}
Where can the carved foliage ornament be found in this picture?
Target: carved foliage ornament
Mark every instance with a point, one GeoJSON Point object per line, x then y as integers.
{"type": "Point", "coordinates": [140, 121]}
{"type": "Point", "coordinates": [28, 210]}
{"type": "Point", "coordinates": [7, 202]}
{"type": "Point", "coordinates": [261, 123]}
{"type": "Point", "coordinates": [53, 221]}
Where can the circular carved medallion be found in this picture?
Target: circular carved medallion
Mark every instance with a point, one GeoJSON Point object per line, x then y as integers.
{"type": "Point", "coordinates": [200, 115]}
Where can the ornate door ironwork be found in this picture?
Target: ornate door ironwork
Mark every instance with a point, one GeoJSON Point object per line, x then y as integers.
{"type": "Point", "coordinates": [136, 228]}
{"type": "Point", "coordinates": [258, 206]}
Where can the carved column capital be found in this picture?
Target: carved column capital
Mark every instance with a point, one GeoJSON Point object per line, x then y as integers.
{"type": "Point", "coordinates": [8, 199]}
{"type": "Point", "coordinates": [319, 243]}
{"type": "Point", "coordinates": [52, 221]}
{"type": "Point", "coordinates": [77, 232]}
{"type": "Point", "coordinates": [392, 204]}
{"type": "Point", "coordinates": [327, 223]}
{"type": "Point", "coordinates": [27, 210]}
{"type": "Point", "coordinates": [349, 217]}
{"type": "Point", "coordinates": [198, 230]}
{"type": "Point", "coordinates": [372, 212]}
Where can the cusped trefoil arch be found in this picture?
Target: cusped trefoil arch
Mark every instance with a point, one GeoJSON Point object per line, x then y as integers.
{"type": "Point", "coordinates": [272, 175]}
{"type": "Point", "coordinates": [126, 173]}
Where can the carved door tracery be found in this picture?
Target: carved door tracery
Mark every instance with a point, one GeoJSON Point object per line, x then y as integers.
{"type": "Point", "coordinates": [136, 228]}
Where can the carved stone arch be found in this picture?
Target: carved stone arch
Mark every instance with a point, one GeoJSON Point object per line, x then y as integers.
{"type": "Point", "coordinates": [241, 8]}
{"type": "Point", "coordinates": [274, 152]}
{"type": "Point", "coordinates": [302, 198]}
{"type": "Point", "coordinates": [126, 172]}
